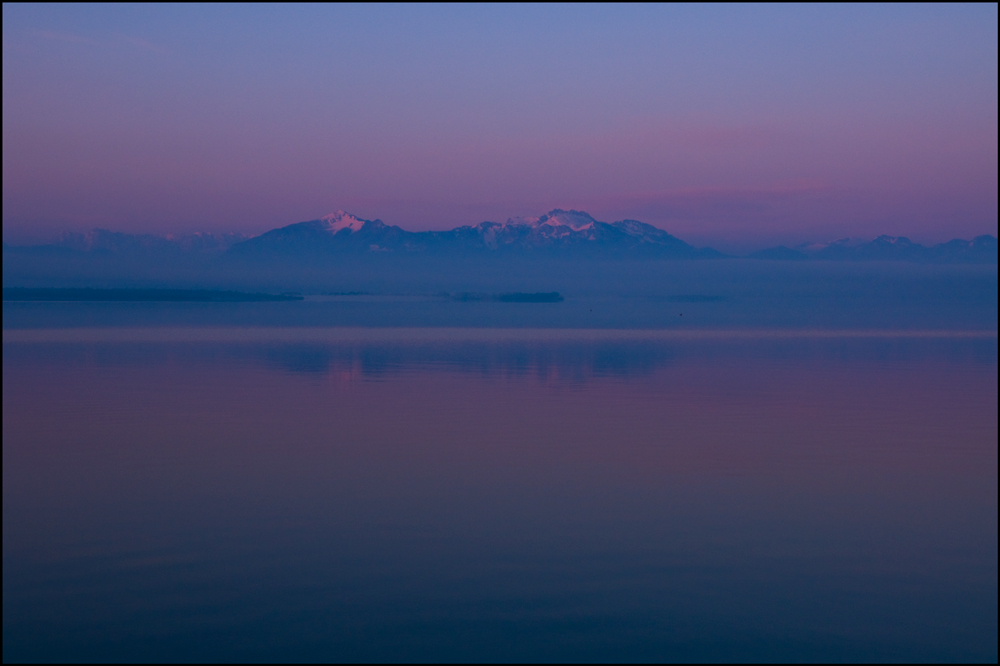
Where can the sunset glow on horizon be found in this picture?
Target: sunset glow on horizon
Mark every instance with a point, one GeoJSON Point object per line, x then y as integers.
{"type": "Point", "coordinates": [736, 126]}
{"type": "Point", "coordinates": [531, 333]}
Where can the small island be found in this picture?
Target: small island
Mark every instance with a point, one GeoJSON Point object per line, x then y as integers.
{"type": "Point", "coordinates": [515, 297]}
{"type": "Point", "coordinates": [539, 297]}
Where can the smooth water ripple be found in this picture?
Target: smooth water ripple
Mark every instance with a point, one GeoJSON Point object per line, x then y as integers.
{"type": "Point", "coordinates": [353, 494]}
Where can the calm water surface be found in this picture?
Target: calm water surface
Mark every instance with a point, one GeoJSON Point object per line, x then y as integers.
{"type": "Point", "coordinates": [364, 495]}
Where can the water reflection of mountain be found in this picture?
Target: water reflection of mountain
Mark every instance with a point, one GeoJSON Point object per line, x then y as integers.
{"type": "Point", "coordinates": [564, 361]}
{"type": "Point", "coordinates": [575, 361]}
{"type": "Point", "coordinates": [550, 360]}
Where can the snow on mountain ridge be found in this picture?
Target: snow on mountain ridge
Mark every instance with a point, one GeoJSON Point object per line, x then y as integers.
{"type": "Point", "coordinates": [574, 219]}
{"type": "Point", "coordinates": [517, 222]}
{"type": "Point", "coordinates": [340, 220]}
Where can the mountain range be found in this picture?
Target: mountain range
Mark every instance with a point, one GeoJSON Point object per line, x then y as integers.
{"type": "Point", "coordinates": [557, 233]}
{"type": "Point", "coordinates": [979, 250]}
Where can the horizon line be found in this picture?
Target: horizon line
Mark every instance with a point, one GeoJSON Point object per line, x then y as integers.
{"type": "Point", "coordinates": [425, 335]}
{"type": "Point", "coordinates": [173, 235]}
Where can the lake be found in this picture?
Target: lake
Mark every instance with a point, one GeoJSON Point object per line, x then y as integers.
{"type": "Point", "coordinates": [175, 491]}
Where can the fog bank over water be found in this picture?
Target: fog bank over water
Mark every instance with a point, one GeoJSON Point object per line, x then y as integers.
{"type": "Point", "coordinates": [610, 294]}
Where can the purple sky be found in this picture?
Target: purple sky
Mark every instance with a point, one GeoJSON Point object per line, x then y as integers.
{"type": "Point", "coordinates": [733, 126]}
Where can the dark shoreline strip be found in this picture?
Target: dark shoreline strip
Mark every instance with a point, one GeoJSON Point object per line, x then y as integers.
{"type": "Point", "coordinates": [162, 295]}
{"type": "Point", "coordinates": [516, 297]}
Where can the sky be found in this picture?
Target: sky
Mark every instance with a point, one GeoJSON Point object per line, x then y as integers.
{"type": "Point", "coordinates": [731, 126]}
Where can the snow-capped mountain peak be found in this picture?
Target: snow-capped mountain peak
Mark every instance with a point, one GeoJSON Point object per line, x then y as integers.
{"type": "Point", "coordinates": [340, 220]}
{"type": "Point", "coordinates": [574, 219]}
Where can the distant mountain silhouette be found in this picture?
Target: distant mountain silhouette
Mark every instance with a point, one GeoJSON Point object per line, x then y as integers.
{"type": "Point", "coordinates": [104, 242]}
{"type": "Point", "coordinates": [563, 233]}
{"type": "Point", "coordinates": [558, 231]}
{"type": "Point", "coordinates": [980, 250]}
